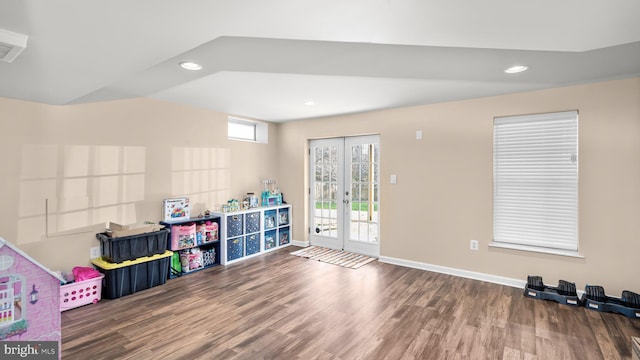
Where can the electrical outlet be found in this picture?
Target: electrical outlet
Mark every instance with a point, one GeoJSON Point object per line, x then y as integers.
{"type": "Point", "coordinates": [95, 252]}
{"type": "Point", "coordinates": [473, 245]}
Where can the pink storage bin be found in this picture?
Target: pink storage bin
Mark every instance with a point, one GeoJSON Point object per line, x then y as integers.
{"type": "Point", "coordinates": [183, 236]}
{"type": "Point", "coordinates": [191, 261]}
{"type": "Point", "coordinates": [211, 232]}
{"type": "Point", "coordinates": [80, 293]}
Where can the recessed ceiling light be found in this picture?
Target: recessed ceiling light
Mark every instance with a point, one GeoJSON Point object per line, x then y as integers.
{"type": "Point", "coordinates": [310, 103]}
{"type": "Point", "coordinates": [188, 65]}
{"type": "Point", "coordinates": [516, 69]}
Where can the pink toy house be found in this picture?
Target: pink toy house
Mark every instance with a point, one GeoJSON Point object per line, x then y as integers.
{"type": "Point", "coordinates": [29, 298]}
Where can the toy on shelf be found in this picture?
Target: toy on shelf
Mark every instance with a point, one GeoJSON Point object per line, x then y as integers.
{"type": "Point", "coordinates": [191, 259]}
{"type": "Point", "coordinates": [565, 293]}
{"type": "Point", "coordinates": [206, 232]}
{"type": "Point", "coordinates": [176, 209]}
{"type": "Point", "coordinates": [273, 196]}
{"type": "Point", "coordinates": [231, 206]}
{"type": "Point", "coordinates": [251, 199]}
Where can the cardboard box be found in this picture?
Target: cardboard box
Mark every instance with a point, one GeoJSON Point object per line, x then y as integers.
{"type": "Point", "coordinates": [116, 230]}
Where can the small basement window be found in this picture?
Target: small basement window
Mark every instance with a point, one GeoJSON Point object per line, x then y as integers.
{"type": "Point", "coordinates": [247, 130]}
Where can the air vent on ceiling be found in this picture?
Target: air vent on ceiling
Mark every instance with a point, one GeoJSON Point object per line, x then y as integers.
{"type": "Point", "coordinates": [11, 45]}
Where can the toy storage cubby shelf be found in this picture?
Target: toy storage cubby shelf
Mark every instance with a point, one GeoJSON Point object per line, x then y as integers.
{"type": "Point", "coordinates": [252, 232]}
{"type": "Point", "coordinates": [195, 243]}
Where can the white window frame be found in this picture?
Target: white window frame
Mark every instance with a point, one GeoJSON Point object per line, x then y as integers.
{"type": "Point", "coordinates": [260, 130]}
{"type": "Point", "coordinates": [535, 183]}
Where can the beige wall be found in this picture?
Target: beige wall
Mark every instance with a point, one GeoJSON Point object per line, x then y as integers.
{"type": "Point", "coordinates": [116, 161]}
{"type": "Point", "coordinates": [443, 197]}
{"type": "Point", "coordinates": [113, 161]}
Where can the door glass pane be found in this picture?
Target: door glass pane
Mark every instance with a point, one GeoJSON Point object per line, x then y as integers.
{"type": "Point", "coordinates": [364, 172]}
{"type": "Point", "coordinates": [355, 192]}
{"type": "Point", "coordinates": [355, 154]}
{"type": "Point", "coordinates": [326, 173]}
{"type": "Point", "coordinates": [364, 208]}
{"type": "Point", "coordinates": [365, 153]}
{"type": "Point", "coordinates": [364, 192]}
{"type": "Point", "coordinates": [374, 214]}
{"type": "Point", "coordinates": [325, 154]}
{"type": "Point", "coordinates": [333, 194]}
{"type": "Point", "coordinates": [355, 172]}
{"type": "Point", "coordinates": [324, 212]}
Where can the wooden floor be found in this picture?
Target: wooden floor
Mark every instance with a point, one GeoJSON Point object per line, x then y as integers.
{"type": "Point", "coordinates": [280, 306]}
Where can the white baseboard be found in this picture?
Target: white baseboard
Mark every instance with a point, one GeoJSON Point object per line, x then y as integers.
{"type": "Point", "coordinates": [501, 280]}
{"type": "Point", "coordinates": [495, 279]}
{"type": "Point", "coordinates": [300, 243]}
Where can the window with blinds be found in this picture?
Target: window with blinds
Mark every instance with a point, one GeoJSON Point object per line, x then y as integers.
{"type": "Point", "coordinates": [535, 182]}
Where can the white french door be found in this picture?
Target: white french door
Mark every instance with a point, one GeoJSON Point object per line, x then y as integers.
{"type": "Point", "coordinates": [344, 193]}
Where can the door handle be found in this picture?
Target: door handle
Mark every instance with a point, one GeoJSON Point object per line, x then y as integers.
{"type": "Point", "coordinates": [346, 201]}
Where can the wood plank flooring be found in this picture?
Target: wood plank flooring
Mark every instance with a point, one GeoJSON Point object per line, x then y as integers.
{"type": "Point", "coordinates": [280, 306]}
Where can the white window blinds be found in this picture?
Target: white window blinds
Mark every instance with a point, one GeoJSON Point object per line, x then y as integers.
{"type": "Point", "coordinates": [535, 180]}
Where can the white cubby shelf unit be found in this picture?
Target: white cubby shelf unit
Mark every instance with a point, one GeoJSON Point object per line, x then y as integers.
{"type": "Point", "coordinates": [251, 232]}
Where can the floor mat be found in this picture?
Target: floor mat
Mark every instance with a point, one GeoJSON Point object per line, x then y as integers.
{"type": "Point", "coordinates": [336, 257]}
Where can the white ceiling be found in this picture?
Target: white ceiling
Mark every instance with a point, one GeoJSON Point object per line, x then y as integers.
{"type": "Point", "coordinates": [264, 59]}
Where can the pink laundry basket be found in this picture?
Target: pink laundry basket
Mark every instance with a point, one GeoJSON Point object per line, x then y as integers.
{"type": "Point", "coordinates": [80, 293]}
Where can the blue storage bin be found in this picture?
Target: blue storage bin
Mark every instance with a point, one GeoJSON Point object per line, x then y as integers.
{"type": "Point", "coordinates": [235, 248]}
{"type": "Point", "coordinates": [269, 239]}
{"type": "Point", "coordinates": [270, 219]}
{"type": "Point", "coordinates": [252, 244]}
{"type": "Point", "coordinates": [252, 222]}
{"type": "Point", "coordinates": [283, 236]}
{"type": "Point", "coordinates": [234, 225]}
{"type": "Point", "coordinates": [283, 217]}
